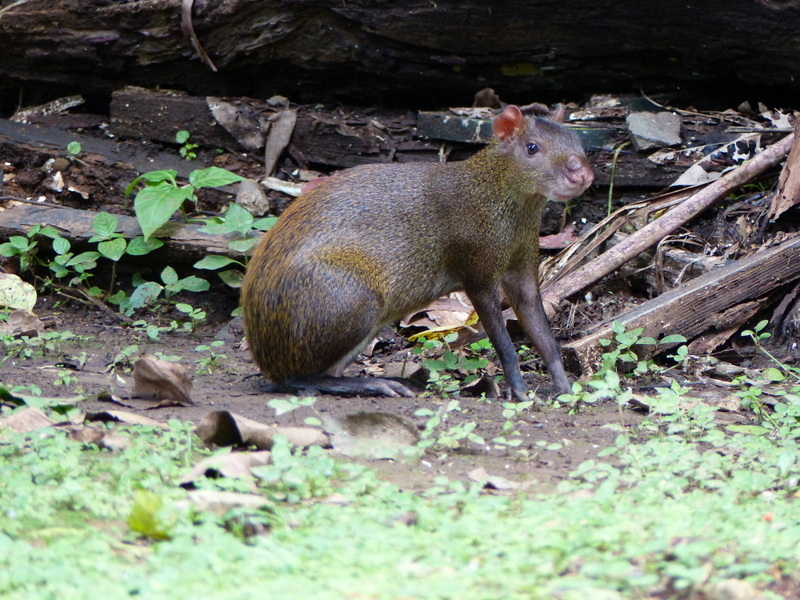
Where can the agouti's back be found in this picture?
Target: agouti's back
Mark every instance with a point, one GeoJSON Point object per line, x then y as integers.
{"type": "Point", "coordinates": [369, 245]}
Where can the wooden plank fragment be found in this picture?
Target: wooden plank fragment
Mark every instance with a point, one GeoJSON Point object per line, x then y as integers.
{"type": "Point", "coordinates": [694, 307]}
{"type": "Point", "coordinates": [76, 225]}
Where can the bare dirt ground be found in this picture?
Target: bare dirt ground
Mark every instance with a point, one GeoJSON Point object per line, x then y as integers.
{"type": "Point", "coordinates": [236, 387]}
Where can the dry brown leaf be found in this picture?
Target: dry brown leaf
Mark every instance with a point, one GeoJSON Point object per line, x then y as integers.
{"type": "Point", "coordinates": [494, 482]}
{"type": "Point", "coordinates": [237, 465]}
{"type": "Point", "coordinates": [122, 416]}
{"type": "Point", "coordinates": [220, 502]}
{"type": "Point", "coordinates": [159, 379]}
{"type": "Point", "coordinates": [22, 322]}
{"type": "Point", "coordinates": [224, 428]}
{"type": "Point", "coordinates": [559, 241]}
{"type": "Point", "coordinates": [279, 135]}
{"type": "Point", "coordinates": [26, 419]}
{"type": "Point", "coordinates": [788, 193]}
{"type": "Point", "coordinates": [108, 440]}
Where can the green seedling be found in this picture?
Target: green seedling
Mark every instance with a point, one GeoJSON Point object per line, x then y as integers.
{"type": "Point", "coordinates": [187, 149]}
{"type": "Point", "coordinates": [239, 223]}
{"type": "Point", "coordinates": [210, 363]}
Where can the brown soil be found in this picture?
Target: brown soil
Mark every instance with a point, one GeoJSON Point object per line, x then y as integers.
{"type": "Point", "coordinates": [236, 387]}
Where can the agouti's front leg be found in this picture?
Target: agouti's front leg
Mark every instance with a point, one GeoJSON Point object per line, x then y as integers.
{"type": "Point", "coordinates": [486, 301]}
{"type": "Point", "coordinates": [522, 288]}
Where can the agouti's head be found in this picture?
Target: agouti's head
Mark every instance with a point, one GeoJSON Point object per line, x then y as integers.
{"type": "Point", "coordinates": [546, 157]}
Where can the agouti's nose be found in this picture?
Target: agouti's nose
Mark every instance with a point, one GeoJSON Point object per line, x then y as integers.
{"type": "Point", "coordinates": [579, 171]}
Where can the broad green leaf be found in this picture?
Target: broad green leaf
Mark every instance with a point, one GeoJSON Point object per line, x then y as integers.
{"type": "Point", "coordinates": [773, 374]}
{"type": "Point", "coordinates": [49, 231]}
{"type": "Point", "coordinates": [154, 205]}
{"type": "Point", "coordinates": [61, 245]}
{"type": "Point", "coordinates": [144, 518]}
{"type": "Point", "coordinates": [232, 277]}
{"type": "Point", "coordinates": [194, 284]}
{"type": "Point", "coordinates": [105, 225]}
{"type": "Point", "coordinates": [675, 338]}
{"type": "Point", "coordinates": [138, 246]}
{"type": "Point", "coordinates": [213, 177]}
{"type": "Point", "coordinates": [113, 249]}
{"type": "Point", "coordinates": [242, 246]}
{"type": "Point", "coordinates": [217, 226]}
{"type": "Point", "coordinates": [169, 275]}
{"type": "Point", "coordinates": [153, 177]}
{"type": "Point", "coordinates": [239, 218]}
{"type": "Point", "coordinates": [212, 262]}
{"type": "Point", "coordinates": [265, 223]}
{"type": "Point", "coordinates": [142, 296]}
{"type": "Point", "coordinates": [85, 261]}
{"type": "Point", "coordinates": [182, 136]}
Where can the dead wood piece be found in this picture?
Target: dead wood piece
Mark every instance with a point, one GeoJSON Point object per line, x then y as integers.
{"type": "Point", "coordinates": [697, 305]}
{"type": "Point", "coordinates": [77, 225]}
{"type": "Point", "coordinates": [652, 233]}
{"type": "Point", "coordinates": [788, 193]}
{"type": "Point", "coordinates": [159, 114]}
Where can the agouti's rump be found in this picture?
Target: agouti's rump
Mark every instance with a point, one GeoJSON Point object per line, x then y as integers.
{"type": "Point", "coordinates": [369, 245]}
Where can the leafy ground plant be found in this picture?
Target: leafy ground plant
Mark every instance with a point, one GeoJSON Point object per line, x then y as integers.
{"type": "Point", "coordinates": [668, 517]}
{"type": "Point", "coordinates": [162, 195]}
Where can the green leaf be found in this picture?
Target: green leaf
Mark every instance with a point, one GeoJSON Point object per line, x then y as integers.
{"type": "Point", "coordinates": [144, 518]}
{"type": "Point", "coordinates": [152, 178]}
{"type": "Point", "coordinates": [84, 261]}
{"type": "Point", "coordinates": [182, 136]}
{"type": "Point", "coordinates": [194, 284]}
{"type": "Point", "coordinates": [239, 218]}
{"type": "Point", "coordinates": [265, 223]}
{"type": "Point", "coordinates": [105, 225]}
{"type": "Point", "coordinates": [142, 296]}
{"type": "Point", "coordinates": [748, 429]}
{"type": "Point", "coordinates": [61, 245]}
{"type": "Point", "coordinates": [212, 262]}
{"type": "Point", "coordinates": [154, 205]}
{"type": "Point", "coordinates": [169, 275]}
{"type": "Point", "coordinates": [773, 374]}
{"type": "Point", "coordinates": [19, 242]}
{"type": "Point", "coordinates": [232, 277]}
{"type": "Point", "coordinates": [138, 246]}
{"type": "Point", "coordinates": [74, 148]}
{"type": "Point", "coordinates": [216, 226]}
{"type": "Point", "coordinates": [113, 249]}
{"type": "Point", "coordinates": [675, 338]}
{"type": "Point", "coordinates": [213, 177]}
{"type": "Point", "coordinates": [242, 246]}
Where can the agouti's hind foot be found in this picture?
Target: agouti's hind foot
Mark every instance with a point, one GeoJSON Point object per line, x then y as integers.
{"type": "Point", "coordinates": [352, 386]}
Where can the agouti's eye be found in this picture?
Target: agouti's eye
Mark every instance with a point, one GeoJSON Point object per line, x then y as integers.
{"type": "Point", "coordinates": [533, 148]}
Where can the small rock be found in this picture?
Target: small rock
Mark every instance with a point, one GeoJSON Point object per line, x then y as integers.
{"type": "Point", "coordinates": [654, 130]}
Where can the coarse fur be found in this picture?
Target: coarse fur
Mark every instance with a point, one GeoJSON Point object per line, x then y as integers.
{"type": "Point", "coordinates": [374, 243]}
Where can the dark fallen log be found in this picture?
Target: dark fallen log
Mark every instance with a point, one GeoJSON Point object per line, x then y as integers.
{"type": "Point", "coordinates": [408, 53]}
{"type": "Point", "coordinates": [183, 240]}
{"type": "Point", "coordinates": [716, 301]}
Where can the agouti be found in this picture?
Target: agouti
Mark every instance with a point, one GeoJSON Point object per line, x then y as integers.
{"type": "Point", "coordinates": [374, 243]}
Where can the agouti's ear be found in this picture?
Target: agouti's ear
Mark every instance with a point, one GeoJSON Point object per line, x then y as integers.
{"type": "Point", "coordinates": [506, 123]}
{"type": "Point", "coordinates": [557, 114]}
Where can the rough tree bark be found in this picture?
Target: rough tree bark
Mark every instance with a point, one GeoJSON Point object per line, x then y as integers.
{"type": "Point", "coordinates": [419, 52]}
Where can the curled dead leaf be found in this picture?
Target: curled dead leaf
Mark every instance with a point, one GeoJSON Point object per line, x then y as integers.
{"type": "Point", "coordinates": [237, 465]}
{"type": "Point", "coordinates": [162, 380]}
{"type": "Point", "coordinates": [224, 428]}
